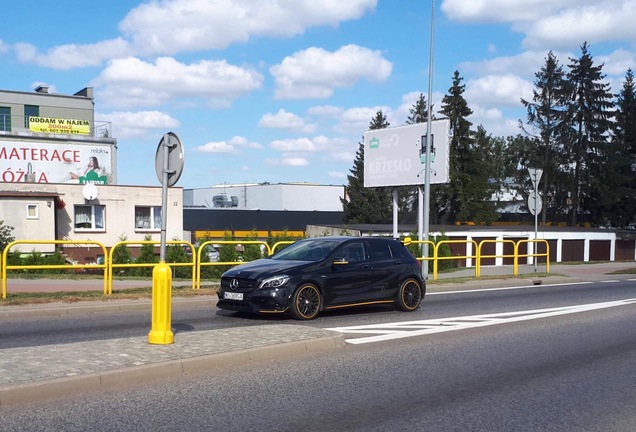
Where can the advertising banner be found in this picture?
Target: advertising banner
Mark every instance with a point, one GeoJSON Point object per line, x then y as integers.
{"type": "Point", "coordinates": [397, 156]}
{"type": "Point", "coordinates": [38, 162]}
{"type": "Point", "coordinates": [59, 126]}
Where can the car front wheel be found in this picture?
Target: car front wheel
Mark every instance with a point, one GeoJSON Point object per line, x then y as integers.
{"type": "Point", "coordinates": [306, 302]}
{"type": "Point", "coordinates": [409, 296]}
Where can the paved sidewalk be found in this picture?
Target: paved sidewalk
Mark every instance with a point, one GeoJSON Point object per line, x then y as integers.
{"type": "Point", "coordinates": [33, 373]}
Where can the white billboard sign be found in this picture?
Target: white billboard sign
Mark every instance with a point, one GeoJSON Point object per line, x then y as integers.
{"type": "Point", "coordinates": [397, 156]}
{"type": "Point", "coordinates": [39, 162]}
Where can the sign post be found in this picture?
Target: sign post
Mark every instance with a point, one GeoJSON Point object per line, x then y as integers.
{"type": "Point", "coordinates": [535, 205]}
{"type": "Point", "coordinates": [169, 166]}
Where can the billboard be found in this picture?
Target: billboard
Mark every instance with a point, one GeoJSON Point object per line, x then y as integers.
{"type": "Point", "coordinates": [59, 126]}
{"type": "Point", "coordinates": [38, 162]}
{"type": "Point", "coordinates": [397, 156]}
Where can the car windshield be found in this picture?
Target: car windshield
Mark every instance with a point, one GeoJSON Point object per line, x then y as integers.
{"type": "Point", "coordinates": [307, 250]}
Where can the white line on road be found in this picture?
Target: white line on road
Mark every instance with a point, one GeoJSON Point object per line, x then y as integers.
{"type": "Point", "coordinates": [398, 330]}
{"type": "Point", "coordinates": [507, 288]}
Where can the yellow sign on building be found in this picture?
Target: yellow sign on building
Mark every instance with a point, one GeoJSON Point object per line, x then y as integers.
{"type": "Point", "coordinates": [59, 126]}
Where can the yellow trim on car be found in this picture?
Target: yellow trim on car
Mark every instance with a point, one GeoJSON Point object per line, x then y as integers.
{"type": "Point", "coordinates": [360, 304]}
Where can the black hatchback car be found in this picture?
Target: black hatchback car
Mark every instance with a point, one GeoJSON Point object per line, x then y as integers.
{"type": "Point", "coordinates": [325, 273]}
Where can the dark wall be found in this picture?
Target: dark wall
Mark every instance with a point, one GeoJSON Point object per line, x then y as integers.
{"type": "Point", "coordinates": [246, 220]}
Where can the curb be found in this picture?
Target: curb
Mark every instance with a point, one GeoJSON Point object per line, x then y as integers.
{"type": "Point", "coordinates": [90, 307]}
{"type": "Point", "coordinates": [117, 378]}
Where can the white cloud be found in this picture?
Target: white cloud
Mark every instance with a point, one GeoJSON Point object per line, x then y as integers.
{"type": "Point", "coordinates": [288, 161]}
{"type": "Point", "coordinates": [617, 62]}
{"type": "Point", "coordinates": [138, 124]}
{"type": "Point", "coordinates": [133, 82]}
{"type": "Point", "coordinates": [337, 149]}
{"type": "Point", "coordinates": [286, 120]}
{"type": "Point", "coordinates": [233, 146]}
{"type": "Point", "coordinates": [600, 21]}
{"type": "Point", "coordinates": [315, 73]}
{"type": "Point", "coordinates": [523, 64]}
{"type": "Point", "coordinates": [64, 57]}
{"type": "Point", "coordinates": [357, 120]}
{"type": "Point", "coordinates": [172, 26]}
{"type": "Point", "coordinates": [297, 144]}
{"type": "Point", "coordinates": [3, 47]}
{"type": "Point", "coordinates": [498, 90]}
{"type": "Point", "coordinates": [328, 111]}
{"type": "Point", "coordinates": [408, 101]}
{"type": "Point", "coordinates": [549, 24]}
{"type": "Point", "coordinates": [506, 10]}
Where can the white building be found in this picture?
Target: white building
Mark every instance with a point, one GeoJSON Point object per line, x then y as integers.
{"type": "Point", "coordinates": [58, 178]}
{"type": "Point", "coordinates": [265, 196]}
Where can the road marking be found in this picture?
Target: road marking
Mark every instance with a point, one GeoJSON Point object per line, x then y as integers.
{"type": "Point", "coordinates": [399, 330]}
{"type": "Point", "coordinates": [507, 288]}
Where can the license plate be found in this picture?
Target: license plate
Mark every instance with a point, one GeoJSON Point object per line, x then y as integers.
{"type": "Point", "coordinates": [233, 296]}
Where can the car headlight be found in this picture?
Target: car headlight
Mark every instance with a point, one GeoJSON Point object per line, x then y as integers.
{"type": "Point", "coordinates": [274, 282]}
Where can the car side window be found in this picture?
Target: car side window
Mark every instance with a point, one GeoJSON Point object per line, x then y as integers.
{"type": "Point", "coordinates": [379, 250]}
{"type": "Point", "coordinates": [353, 252]}
{"type": "Point", "coordinates": [398, 251]}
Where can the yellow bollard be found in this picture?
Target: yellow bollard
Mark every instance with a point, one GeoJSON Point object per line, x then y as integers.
{"type": "Point", "coordinates": [161, 333]}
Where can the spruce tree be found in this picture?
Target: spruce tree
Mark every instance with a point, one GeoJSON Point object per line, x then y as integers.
{"type": "Point", "coordinates": [591, 109]}
{"type": "Point", "coordinates": [547, 115]}
{"type": "Point", "coordinates": [468, 195]}
{"type": "Point", "coordinates": [366, 205]}
{"type": "Point", "coordinates": [622, 159]}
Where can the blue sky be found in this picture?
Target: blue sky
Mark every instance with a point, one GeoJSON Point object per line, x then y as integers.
{"type": "Point", "coordinates": [282, 90]}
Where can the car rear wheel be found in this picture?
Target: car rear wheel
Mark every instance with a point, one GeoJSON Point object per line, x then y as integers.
{"type": "Point", "coordinates": [306, 302]}
{"type": "Point", "coordinates": [409, 296]}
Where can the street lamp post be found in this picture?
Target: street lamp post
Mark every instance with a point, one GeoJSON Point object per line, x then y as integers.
{"type": "Point", "coordinates": [427, 170]}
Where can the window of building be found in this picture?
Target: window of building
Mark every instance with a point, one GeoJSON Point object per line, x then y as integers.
{"type": "Point", "coordinates": [30, 111]}
{"type": "Point", "coordinates": [148, 218]}
{"type": "Point", "coordinates": [33, 211]}
{"type": "Point", "coordinates": [5, 119]}
{"type": "Point", "coordinates": [90, 218]}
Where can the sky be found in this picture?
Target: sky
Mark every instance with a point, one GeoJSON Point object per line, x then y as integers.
{"type": "Point", "coordinates": [282, 91]}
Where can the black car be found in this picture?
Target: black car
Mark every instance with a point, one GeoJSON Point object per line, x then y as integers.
{"type": "Point", "coordinates": [325, 273]}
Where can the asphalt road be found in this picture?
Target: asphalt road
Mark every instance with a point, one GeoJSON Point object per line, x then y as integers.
{"type": "Point", "coordinates": [464, 363]}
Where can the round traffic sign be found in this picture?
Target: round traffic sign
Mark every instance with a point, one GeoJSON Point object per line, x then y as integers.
{"type": "Point", "coordinates": [175, 158]}
{"type": "Point", "coordinates": [534, 203]}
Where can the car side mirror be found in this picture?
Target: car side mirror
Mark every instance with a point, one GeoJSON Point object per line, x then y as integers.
{"type": "Point", "coordinates": [340, 261]}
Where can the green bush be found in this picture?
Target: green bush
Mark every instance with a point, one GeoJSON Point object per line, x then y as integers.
{"type": "Point", "coordinates": [147, 255]}
{"type": "Point", "coordinates": [175, 253]}
{"type": "Point", "coordinates": [443, 251]}
{"type": "Point", "coordinates": [122, 255]}
{"type": "Point", "coordinates": [252, 252]}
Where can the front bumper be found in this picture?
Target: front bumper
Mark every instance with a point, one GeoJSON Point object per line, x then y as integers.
{"type": "Point", "coordinates": [259, 301]}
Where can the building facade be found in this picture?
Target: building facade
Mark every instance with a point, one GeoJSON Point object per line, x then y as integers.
{"type": "Point", "coordinates": [266, 196]}
{"type": "Point", "coordinates": [58, 178]}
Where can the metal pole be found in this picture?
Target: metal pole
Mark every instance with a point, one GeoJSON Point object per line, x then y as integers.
{"type": "Point", "coordinates": [164, 197]}
{"type": "Point", "coordinates": [427, 172]}
{"type": "Point", "coordinates": [536, 221]}
{"type": "Point", "coordinates": [395, 214]}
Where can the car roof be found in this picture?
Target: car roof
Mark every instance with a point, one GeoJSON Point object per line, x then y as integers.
{"type": "Point", "coordinates": [347, 238]}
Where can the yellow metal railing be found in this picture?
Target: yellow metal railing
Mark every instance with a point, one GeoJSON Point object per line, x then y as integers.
{"type": "Point", "coordinates": [536, 255]}
{"type": "Point", "coordinates": [6, 267]}
{"type": "Point", "coordinates": [481, 256]}
{"type": "Point", "coordinates": [196, 263]}
{"type": "Point", "coordinates": [112, 265]}
{"type": "Point", "coordinates": [202, 247]}
{"type": "Point", "coordinates": [459, 257]}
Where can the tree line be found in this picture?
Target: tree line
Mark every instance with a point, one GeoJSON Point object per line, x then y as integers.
{"type": "Point", "coordinates": [576, 130]}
